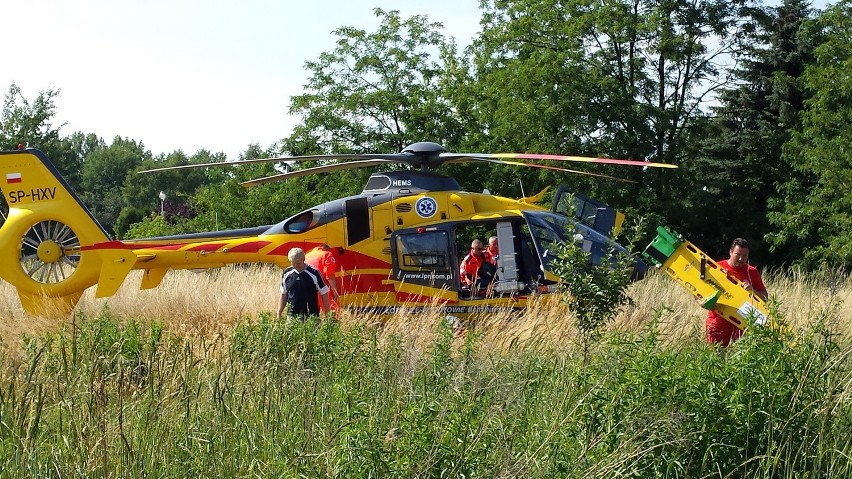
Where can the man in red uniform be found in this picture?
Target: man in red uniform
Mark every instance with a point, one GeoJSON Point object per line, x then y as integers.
{"type": "Point", "coordinates": [477, 268]}
{"type": "Point", "coordinates": [493, 248]}
{"type": "Point", "coordinates": [323, 259]}
{"type": "Point", "coordinates": [720, 331]}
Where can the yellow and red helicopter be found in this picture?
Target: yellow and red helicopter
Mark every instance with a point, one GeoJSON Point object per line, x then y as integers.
{"type": "Point", "coordinates": [399, 237]}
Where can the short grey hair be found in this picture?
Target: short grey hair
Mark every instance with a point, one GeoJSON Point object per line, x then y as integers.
{"type": "Point", "coordinates": [295, 253]}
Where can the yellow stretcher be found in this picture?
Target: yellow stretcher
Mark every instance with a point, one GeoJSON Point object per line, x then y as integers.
{"type": "Point", "coordinates": [708, 282]}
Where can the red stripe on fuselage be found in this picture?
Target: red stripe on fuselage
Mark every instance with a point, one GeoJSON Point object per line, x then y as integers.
{"type": "Point", "coordinates": [365, 283]}
{"type": "Point", "coordinates": [167, 247]}
{"type": "Point", "coordinates": [208, 247]}
{"type": "Point", "coordinates": [115, 244]}
{"type": "Point", "coordinates": [250, 247]}
{"type": "Point", "coordinates": [352, 260]}
{"type": "Point", "coordinates": [284, 249]}
{"type": "Point", "coordinates": [419, 298]}
{"type": "Point", "coordinates": [107, 245]}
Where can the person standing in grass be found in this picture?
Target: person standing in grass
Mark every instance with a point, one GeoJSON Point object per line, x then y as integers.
{"type": "Point", "coordinates": [720, 331]}
{"type": "Point", "coordinates": [300, 284]}
{"type": "Point", "coordinates": [324, 260]}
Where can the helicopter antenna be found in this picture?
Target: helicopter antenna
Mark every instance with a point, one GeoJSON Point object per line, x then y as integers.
{"type": "Point", "coordinates": [521, 182]}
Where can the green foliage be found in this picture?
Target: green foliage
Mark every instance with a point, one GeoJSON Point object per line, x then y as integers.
{"type": "Point", "coordinates": [595, 294]}
{"type": "Point", "coordinates": [811, 213]}
{"type": "Point", "coordinates": [221, 203]}
{"type": "Point", "coordinates": [312, 343]}
{"type": "Point", "coordinates": [115, 347]}
{"type": "Point", "coordinates": [104, 172]}
{"type": "Point", "coordinates": [749, 412]}
{"type": "Point", "coordinates": [27, 123]}
{"type": "Point", "coordinates": [140, 193]}
{"type": "Point", "coordinates": [128, 217]}
{"type": "Point", "coordinates": [741, 164]}
{"type": "Point", "coordinates": [615, 78]}
{"type": "Point", "coordinates": [152, 226]}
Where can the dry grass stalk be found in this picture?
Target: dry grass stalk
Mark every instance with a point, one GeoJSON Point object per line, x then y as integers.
{"type": "Point", "coordinates": [208, 304]}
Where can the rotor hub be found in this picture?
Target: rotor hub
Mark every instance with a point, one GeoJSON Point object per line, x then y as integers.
{"type": "Point", "coordinates": [425, 154]}
{"type": "Point", "coordinates": [49, 251]}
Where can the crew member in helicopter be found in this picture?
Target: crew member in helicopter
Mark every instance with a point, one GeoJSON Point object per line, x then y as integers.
{"type": "Point", "coordinates": [477, 270]}
{"type": "Point", "coordinates": [493, 248]}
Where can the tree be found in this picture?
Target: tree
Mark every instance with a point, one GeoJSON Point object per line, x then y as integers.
{"type": "Point", "coordinates": [376, 92]}
{"type": "Point", "coordinates": [595, 294]}
{"type": "Point", "coordinates": [28, 123]}
{"type": "Point", "coordinates": [105, 170]}
{"type": "Point", "coordinates": [617, 78]}
{"type": "Point", "coordinates": [741, 166]}
{"type": "Point", "coordinates": [141, 192]}
{"type": "Point", "coordinates": [812, 215]}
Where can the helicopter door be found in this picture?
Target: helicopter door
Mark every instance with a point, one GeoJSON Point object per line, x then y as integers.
{"type": "Point", "coordinates": [507, 264]}
{"type": "Point", "coordinates": [421, 265]}
{"type": "Point", "coordinates": [588, 211]}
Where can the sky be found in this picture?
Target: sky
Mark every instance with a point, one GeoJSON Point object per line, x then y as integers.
{"type": "Point", "coordinates": [186, 74]}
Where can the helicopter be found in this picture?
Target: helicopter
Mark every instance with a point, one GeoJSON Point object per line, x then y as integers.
{"type": "Point", "coordinates": [398, 242]}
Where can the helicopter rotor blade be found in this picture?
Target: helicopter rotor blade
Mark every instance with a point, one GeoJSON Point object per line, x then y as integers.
{"type": "Point", "coordinates": [582, 159]}
{"type": "Point", "coordinates": [394, 157]}
{"type": "Point", "coordinates": [349, 165]}
{"type": "Point", "coordinates": [535, 165]}
{"type": "Point", "coordinates": [539, 156]}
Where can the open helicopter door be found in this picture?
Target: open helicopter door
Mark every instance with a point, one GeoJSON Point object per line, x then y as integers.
{"type": "Point", "coordinates": [592, 213]}
{"type": "Point", "coordinates": [507, 265]}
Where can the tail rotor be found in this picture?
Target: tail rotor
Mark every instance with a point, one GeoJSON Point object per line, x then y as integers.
{"type": "Point", "coordinates": [50, 252]}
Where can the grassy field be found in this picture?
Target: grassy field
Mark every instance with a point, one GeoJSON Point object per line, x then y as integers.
{"type": "Point", "coordinates": [195, 378]}
{"type": "Point", "coordinates": [210, 304]}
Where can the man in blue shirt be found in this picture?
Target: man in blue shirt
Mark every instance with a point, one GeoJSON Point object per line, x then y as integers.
{"type": "Point", "coordinates": [300, 284]}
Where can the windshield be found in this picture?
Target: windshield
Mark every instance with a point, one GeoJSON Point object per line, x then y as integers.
{"type": "Point", "coordinates": [549, 229]}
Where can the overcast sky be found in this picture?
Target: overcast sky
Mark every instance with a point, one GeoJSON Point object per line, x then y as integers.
{"type": "Point", "coordinates": [186, 74]}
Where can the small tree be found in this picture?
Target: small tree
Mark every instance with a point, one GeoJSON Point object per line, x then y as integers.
{"type": "Point", "coordinates": [595, 294]}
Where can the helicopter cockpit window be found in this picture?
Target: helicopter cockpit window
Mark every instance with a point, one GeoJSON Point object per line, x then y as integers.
{"type": "Point", "coordinates": [549, 229]}
{"type": "Point", "coordinates": [423, 251]}
{"type": "Point", "coordinates": [301, 222]}
{"type": "Point", "coordinates": [377, 182]}
{"type": "Point", "coordinates": [581, 208]}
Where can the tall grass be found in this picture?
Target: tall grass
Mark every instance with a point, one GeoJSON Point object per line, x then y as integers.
{"type": "Point", "coordinates": [210, 303]}
{"type": "Point", "coordinates": [195, 380]}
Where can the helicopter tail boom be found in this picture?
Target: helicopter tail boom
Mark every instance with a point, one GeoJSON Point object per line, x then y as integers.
{"type": "Point", "coordinates": [42, 236]}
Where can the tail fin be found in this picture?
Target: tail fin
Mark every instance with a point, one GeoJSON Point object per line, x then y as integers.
{"type": "Point", "coordinates": [41, 238]}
